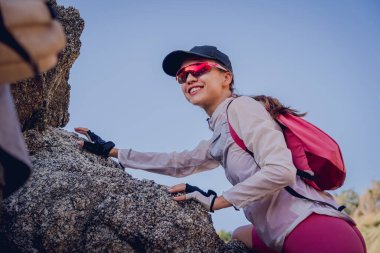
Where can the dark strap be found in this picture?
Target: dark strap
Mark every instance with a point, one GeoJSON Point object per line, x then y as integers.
{"type": "Point", "coordinates": [297, 195]}
{"type": "Point", "coordinates": [212, 204]}
{"type": "Point", "coordinates": [8, 39]}
{"type": "Point", "coordinates": [191, 188]}
{"type": "Point", "coordinates": [300, 173]}
{"type": "Point", "coordinates": [304, 174]}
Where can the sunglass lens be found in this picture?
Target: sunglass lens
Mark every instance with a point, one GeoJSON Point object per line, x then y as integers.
{"type": "Point", "coordinates": [196, 70]}
{"type": "Point", "coordinates": [182, 76]}
{"type": "Point", "coordinates": [202, 69]}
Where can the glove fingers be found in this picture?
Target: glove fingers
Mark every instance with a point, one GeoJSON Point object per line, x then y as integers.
{"type": "Point", "coordinates": [189, 195]}
{"type": "Point", "coordinates": [88, 136]}
{"type": "Point", "coordinates": [205, 201]}
{"type": "Point", "coordinates": [95, 138]}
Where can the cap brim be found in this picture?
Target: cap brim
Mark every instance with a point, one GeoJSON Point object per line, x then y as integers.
{"type": "Point", "coordinates": [174, 60]}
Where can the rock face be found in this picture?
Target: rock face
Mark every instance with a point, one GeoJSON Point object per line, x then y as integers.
{"type": "Point", "coordinates": [78, 202]}
{"type": "Point", "coordinates": [46, 104]}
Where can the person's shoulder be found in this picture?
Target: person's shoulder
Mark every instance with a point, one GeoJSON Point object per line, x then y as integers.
{"type": "Point", "coordinates": [245, 102]}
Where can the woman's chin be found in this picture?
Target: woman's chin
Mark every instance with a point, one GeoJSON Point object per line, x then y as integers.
{"type": "Point", "coordinates": [195, 100]}
{"type": "Point", "coordinates": [198, 99]}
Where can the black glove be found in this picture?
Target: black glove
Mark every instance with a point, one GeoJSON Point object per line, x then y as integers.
{"type": "Point", "coordinates": [98, 146]}
{"type": "Point", "coordinates": [206, 199]}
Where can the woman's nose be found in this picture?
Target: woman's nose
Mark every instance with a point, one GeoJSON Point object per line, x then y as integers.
{"type": "Point", "coordinates": [190, 78]}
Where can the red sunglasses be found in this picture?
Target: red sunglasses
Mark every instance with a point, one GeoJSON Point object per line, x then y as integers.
{"type": "Point", "coordinates": [196, 69]}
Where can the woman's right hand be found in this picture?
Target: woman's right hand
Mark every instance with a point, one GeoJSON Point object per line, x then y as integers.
{"type": "Point", "coordinates": [81, 130]}
{"type": "Point", "coordinates": [207, 199]}
{"type": "Point", "coordinates": [95, 145]}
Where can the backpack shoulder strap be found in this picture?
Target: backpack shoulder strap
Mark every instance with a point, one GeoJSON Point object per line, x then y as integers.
{"type": "Point", "coordinates": [234, 135]}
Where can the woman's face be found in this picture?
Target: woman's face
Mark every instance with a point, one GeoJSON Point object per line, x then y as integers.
{"type": "Point", "coordinates": [209, 89]}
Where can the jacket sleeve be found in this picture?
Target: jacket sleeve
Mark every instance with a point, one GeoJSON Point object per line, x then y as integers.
{"type": "Point", "coordinates": [263, 136]}
{"type": "Point", "coordinates": [172, 164]}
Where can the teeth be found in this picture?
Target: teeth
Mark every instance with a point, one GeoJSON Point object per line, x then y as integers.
{"type": "Point", "coordinates": [192, 90]}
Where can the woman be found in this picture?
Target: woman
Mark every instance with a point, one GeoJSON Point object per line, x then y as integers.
{"type": "Point", "coordinates": [280, 222]}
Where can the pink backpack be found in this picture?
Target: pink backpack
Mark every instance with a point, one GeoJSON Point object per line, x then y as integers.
{"type": "Point", "coordinates": [315, 154]}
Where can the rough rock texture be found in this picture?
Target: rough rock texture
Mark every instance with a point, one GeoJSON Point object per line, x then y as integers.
{"type": "Point", "coordinates": [46, 104]}
{"type": "Point", "coordinates": [78, 202]}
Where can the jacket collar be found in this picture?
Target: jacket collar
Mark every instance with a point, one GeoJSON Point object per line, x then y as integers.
{"type": "Point", "coordinates": [217, 114]}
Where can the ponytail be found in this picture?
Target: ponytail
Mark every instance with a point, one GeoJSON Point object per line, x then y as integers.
{"type": "Point", "coordinates": [275, 108]}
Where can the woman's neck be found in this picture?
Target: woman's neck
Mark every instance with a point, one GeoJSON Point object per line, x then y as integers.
{"type": "Point", "coordinates": [211, 109]}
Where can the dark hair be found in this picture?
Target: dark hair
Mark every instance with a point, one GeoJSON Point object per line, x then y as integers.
{"type": "Point", "coordinates": [275, 107]}
{"type": "Point", "coordinates": [232, 89]}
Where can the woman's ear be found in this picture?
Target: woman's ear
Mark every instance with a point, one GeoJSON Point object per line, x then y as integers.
{"type": "Point", "coordinates": [227, 78]}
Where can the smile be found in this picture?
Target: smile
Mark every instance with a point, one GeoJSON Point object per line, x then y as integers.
{"type": "Point", "coordinates": [193, 90]}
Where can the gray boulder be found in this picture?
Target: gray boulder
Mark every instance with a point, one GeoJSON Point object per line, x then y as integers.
{"type": "Point", "coordinates": [78, 202]}
{"type": "Point", "coordinates": [46, 103]}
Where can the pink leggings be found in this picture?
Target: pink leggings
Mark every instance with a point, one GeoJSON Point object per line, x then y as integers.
{"type": "Point", "coordinates": [318, 234]}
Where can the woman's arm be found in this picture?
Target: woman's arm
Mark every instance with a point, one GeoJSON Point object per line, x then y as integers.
{"type": "Point", "coordinates": [262, 135]}
{"type": "Point", "coordinates": [173, 164]}
{"type": "Point", "coordinates": [220, 203]}
{"type": "Point", "coordinates": [177, 164]}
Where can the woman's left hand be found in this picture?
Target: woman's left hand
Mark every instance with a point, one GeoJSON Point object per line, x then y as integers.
{"type": "Point", "coordinates": [193, 192]}
{"type": "Point", "coordinates": [95, 145]}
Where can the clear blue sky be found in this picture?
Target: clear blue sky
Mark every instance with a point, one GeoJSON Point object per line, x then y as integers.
{"type": "Point", "coordinates": [322, 57]}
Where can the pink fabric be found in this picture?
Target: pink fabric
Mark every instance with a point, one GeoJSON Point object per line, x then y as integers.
{"type": "Point", "coordinates": [312, 150]}
{"type": "Point", "coordinates": [258, 245]}
{"type": "Point", "coordinates": [316, 234]}
{"type": "Point", "coordinates": [311, 145]}
{"type": "Point", "coordinates": [235, 137]}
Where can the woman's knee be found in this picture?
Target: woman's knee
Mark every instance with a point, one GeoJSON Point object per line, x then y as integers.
{"type": "Point", "coordinates": [236, 234]}
{"type": "Point", "coordinates": [244, 234]}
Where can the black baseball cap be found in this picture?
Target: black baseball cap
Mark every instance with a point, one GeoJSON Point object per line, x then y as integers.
{"type": "Point", "coordinates": [174, 60]}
